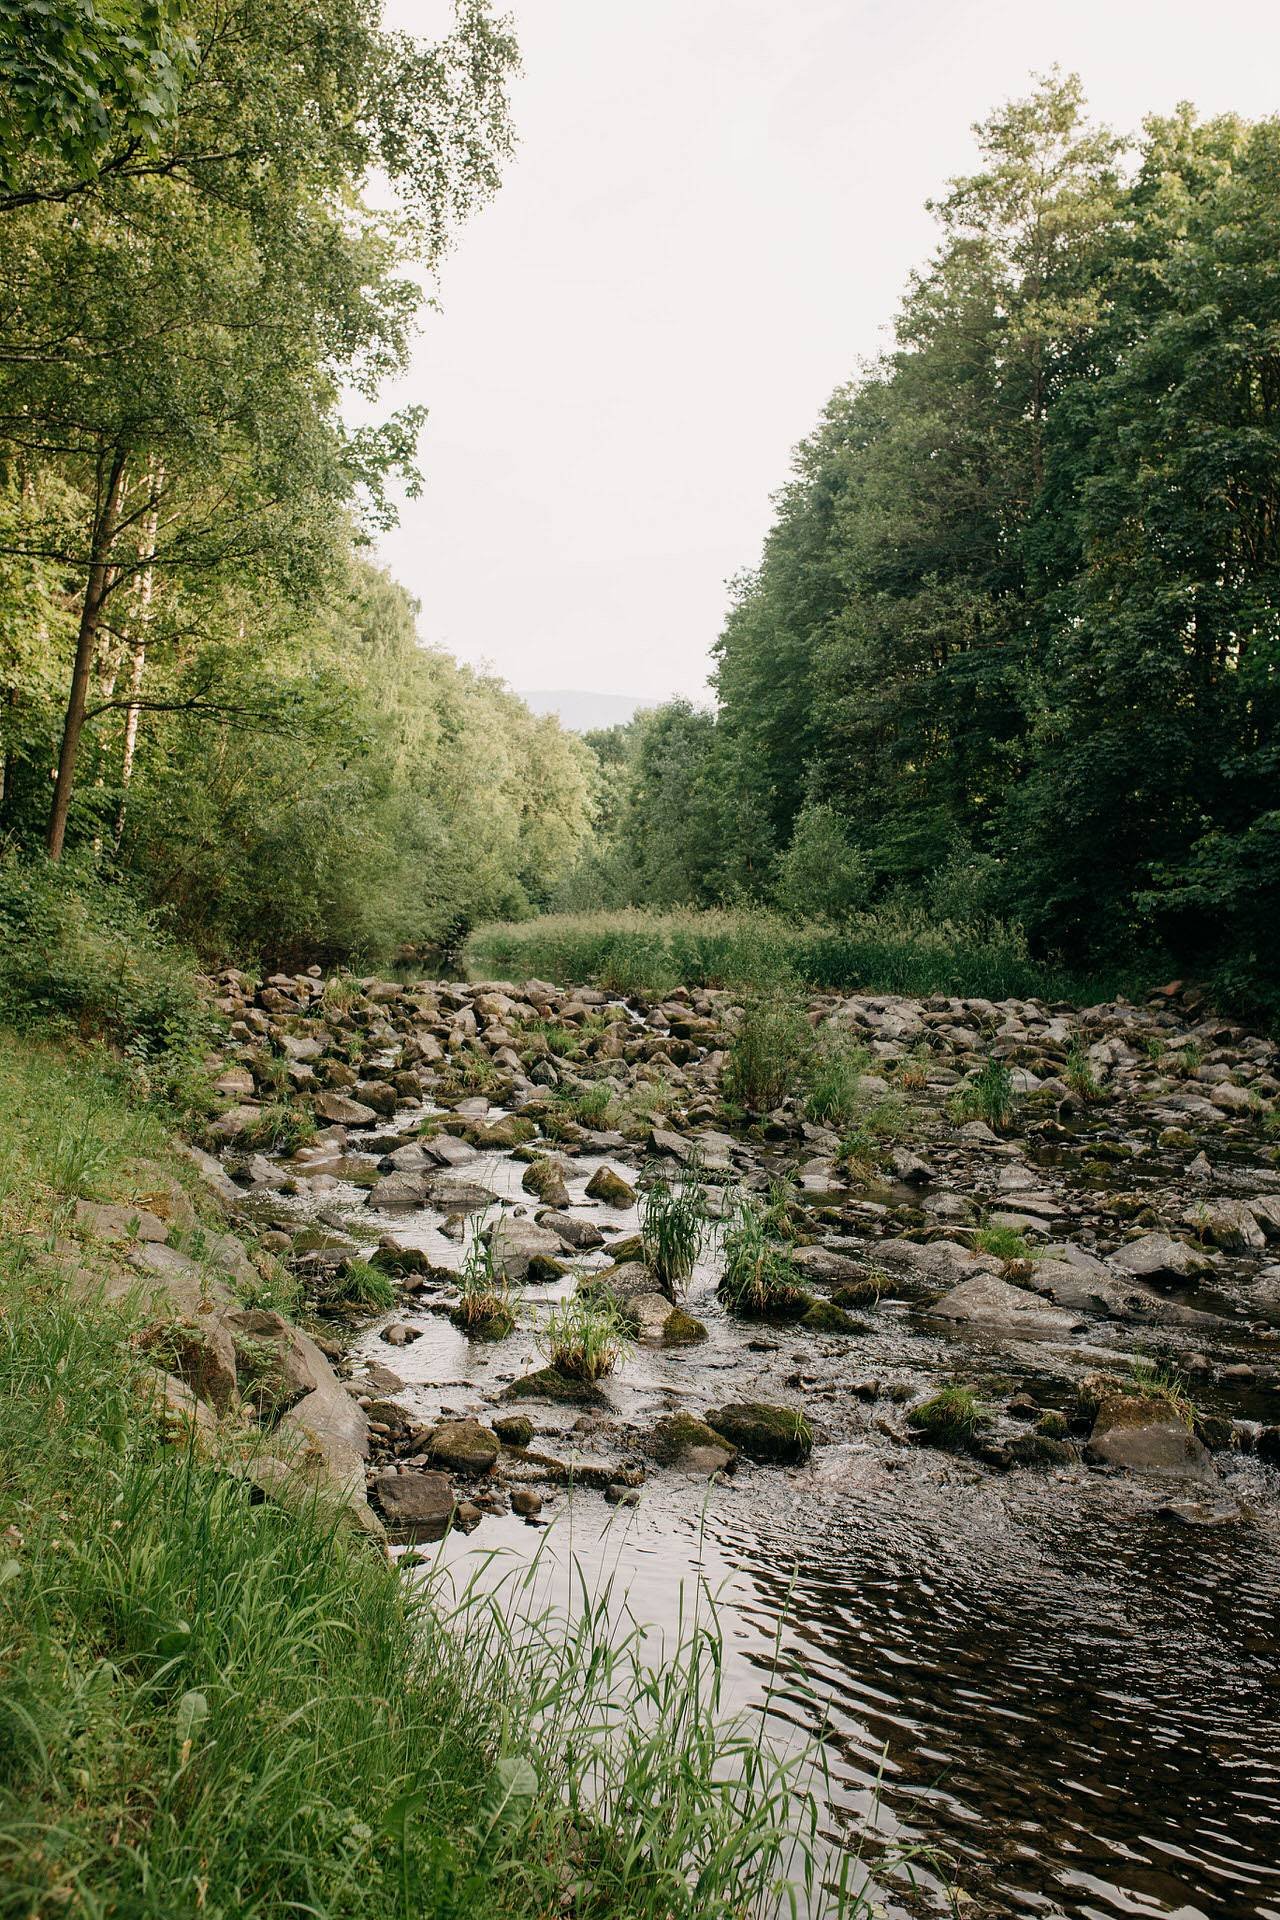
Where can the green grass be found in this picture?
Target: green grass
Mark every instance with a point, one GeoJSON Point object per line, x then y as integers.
{"type": "Point", "coordinates": [989, 1097]}
{"type": "Point", "coordinates": [1165, 1384]}
{"type": "Point", "coordinates": [211, 1706]}
{"type": "Point", "coordinates": [758, 1281]}
{"type": "Point", "coordinates": [1079, 1074]}
{"type": "Point", "coordinates": [362, 1287]}
{"type": "Point", "coordinates": [484, 1308]}
{"type": "Point", "coordinates": [584, 1337]}
{"type": "Point", "coordinates": [673, 1225]}
{"type": "Point", "coordinates": [836, 1067]}
{"type": "Point", "coordinates": [955, 1417]}
{"type": "Point", "coordinates": [770, 1050]}
{"type": "Point", "coordinates": [1006, 1243]}
{"type": "Point", "coordinates": [642, 953]}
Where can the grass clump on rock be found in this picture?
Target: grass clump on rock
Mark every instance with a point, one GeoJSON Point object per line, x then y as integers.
{"type": "Point", "coordinates": [584, 1338]}
{"type": "Point", "coordinates": [774, 1436]}
{"type": "Point", "coordinates": [484, 1308]}
{"type": "Point", "coordinates": [758, 1281]}
{"type": "Point", "coordinates": [673, 1226]}
{"type": "Point", "coordinates": [955, 1418]}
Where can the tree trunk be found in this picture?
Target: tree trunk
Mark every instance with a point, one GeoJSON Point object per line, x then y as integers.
{"type": "Point", "coordinates": [145, 591]}
{"type": "Point", "coordinates": [95, 592]}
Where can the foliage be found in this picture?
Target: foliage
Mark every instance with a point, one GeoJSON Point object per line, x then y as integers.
{"type": "Point", "coordinates": [584, 1337]}
{"type": "Point", "coordinates": [484, 1307]}
{"type": "Point", "coordinates": [955, 1417]}
{"type": "Point", "coordinates": [987, 1096]}
{"type": "Point", "coordinates": [1011, 645]}
{"type": "Point", "coordinates": [771, 1047]}
{"type": "Point", "coordinates": [836, 1067]}
{"type": "Point", "coordinates": [758, 1280]}
{"type": "Point", "coordinates": [673, 1225]}
{"type": "Point", "coordinates": [891, 950]}
{"type": "Point", "coordinates": [77, 955]}
{"type": "Point", "coordinates": [1006, 1243]}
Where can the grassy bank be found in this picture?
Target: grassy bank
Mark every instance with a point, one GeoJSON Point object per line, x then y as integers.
{"type": "Point", "coordinates": [639, 952]}
{"type": "Point", "coordinates": [213, 1706]}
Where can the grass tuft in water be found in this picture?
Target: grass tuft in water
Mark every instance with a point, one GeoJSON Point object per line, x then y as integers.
{"type": "Point", "coordinates": [989, 1097]}
{"type": "Point", "coordinates": [955, 1417]}
{"type": "Point", "coordinates": [584, 1337]}
{"type": "Point", "coordinates": [674, 1225]}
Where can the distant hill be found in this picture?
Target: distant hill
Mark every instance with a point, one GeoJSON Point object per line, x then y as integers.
{"type": "Point", "coordinates": [582, 712]}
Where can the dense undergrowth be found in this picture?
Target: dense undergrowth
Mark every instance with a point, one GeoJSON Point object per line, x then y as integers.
{"type": "Point", "coordinates": [888, 952]}
{"type": "Point", "coordinates": [213, 1705]}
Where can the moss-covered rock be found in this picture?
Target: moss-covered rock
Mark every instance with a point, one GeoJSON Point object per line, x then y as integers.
{"type": "Point", "coordinates": [514, 1429]}
{"type": "Point", "coordinates": [681, 1329]}
{"type": "Point", "coordinates": [776, 1436]}
{"type": "Point", "coordinates": [548, 1384]}
{"type": "Point", "coordinates": [824, 1316]}
{"type": "Point", "coordinates": [610, 1187]}
{"type": "Point", "coordinates": [680, 1441]}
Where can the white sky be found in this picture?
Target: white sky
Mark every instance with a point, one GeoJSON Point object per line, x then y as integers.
{"type": "Point", "coordinates": [710, 219]}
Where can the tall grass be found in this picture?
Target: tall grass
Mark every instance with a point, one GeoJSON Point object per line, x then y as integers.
{"type": "Point", "coordinates": [888, 951]}
{"type": "Point", "coordinates": [674, 1225]}
{"type": "Point", "coordinates": [584, 1337]}
{"type": "Point", "coordinates": [211, 1706]}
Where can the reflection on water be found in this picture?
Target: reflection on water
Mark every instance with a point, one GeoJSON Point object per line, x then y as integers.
{"type": "Point", "coordinates": [1074, 1704]}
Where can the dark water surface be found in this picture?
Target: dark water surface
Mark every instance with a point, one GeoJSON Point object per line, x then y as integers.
{"type": "Point", "coordinates": [1072, 1702]}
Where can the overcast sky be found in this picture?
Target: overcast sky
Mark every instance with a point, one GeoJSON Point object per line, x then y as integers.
{"type": "Point", "coordinates": [711, 215]}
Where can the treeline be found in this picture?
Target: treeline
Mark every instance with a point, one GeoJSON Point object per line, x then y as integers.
{"type": "Point", "coordinates": [206, 691]}
{"type": "Point", "coordinates": [1013, 643]}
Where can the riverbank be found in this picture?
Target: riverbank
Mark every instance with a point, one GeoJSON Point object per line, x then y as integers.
{"type": "Point", "coordinates": [216, 1693]}
{"type": "Point", "coordinates": [640, 951]}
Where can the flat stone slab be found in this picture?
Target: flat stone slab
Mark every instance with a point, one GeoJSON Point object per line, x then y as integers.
{"type": "Point", "coordinates": [988, 1301]}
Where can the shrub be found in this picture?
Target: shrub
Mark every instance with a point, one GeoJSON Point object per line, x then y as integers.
{"type": "Point", "coordinates": [78, 953]}
{"type": "Point", "coordinates": [771, 1048]}
{"type": "Point", "coordinates": [822, 875]}
{"type": "Point", "coordinates": [836, 1067]}
{"type": "Point", "coordinates": [989, 1096]}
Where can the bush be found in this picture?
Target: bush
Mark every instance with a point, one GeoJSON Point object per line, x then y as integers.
{"type": "Point", "coordinates": [78, 953]}
{"type": "Point", "coordinates": [822, 875]}
{"type": "Point", "coordinates": [771, 1048]}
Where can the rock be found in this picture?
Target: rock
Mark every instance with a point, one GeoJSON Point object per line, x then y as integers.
{"type": "Point", "coordinates": [464, 1446]}
{"type": "Point", "coordinates": [580, 1235]}
{"type": "Point", "coordinates": [826, 1268]}
{"type": "Point", "coordinates": [1267, 1445]}
{"type": "Point", "coordinates": [1156, 1256]}
{"type": "Point", "coordinates": [1038, 1450]}
{"type": "Point", "coordinates": [988, 1301]}
{"type": "Point", "coordinates": [672, 1146]}
{"type": "Point", "coordinates": [825, 1317]}
{"type": "Point", "coordinates": [200, 1352]}
{"type": "Point", "coordinates": [618, 1495]}
{"type": "Point", "coordinates": [333, 1437]}
{"type": "Point", "coordinates": [341, 1111]}
{"type": "Point", "coordinates": [119, 1221]}
{"type": "Point", "coordinates": [548, 1384]}
{"type": "Point", "coordinates": [399, 1334]}
{"type": "Point", "coordinates": [1231, 1099]}
{"type": "Point", "coordinates": [610, 1187]}
{"type": "Point", "coordinates": [544, 1178]}
{"type": "Point", "coordinates": [276, 1362]}
{"type": "Point", "coordinates": [378, 1094]}
{"type": "Point", "coordinates": [181, 1415]}
{"type": "Point", "coordinates": [1230, 1224]}
{"type": "Point", "coordinates": [1185, 1511]}
{"type": "Point", "coordinates": [909, 1167]}
{"type": "Point", "coordinates": [691, 1446]}
{"type": "Point", "coordinates": [415, 1506]}
{"type": "Point", "coordinates": [1146, 1436]}
{"type": "Point", "coordinates": [513, 1429]}
{"type": "Point", "coordinates": [773, 1435]}
{"type": "Point", "coordinates": [681, 1329]}
{"type": "Point", "coordinates": [399, 1191]}
{"type": "Point", "coordinates": [517, 1245]}
{"type": "Point", "coordinates": [211, 1171]}
{"type": "Point", "coordinates": [526, 1502]}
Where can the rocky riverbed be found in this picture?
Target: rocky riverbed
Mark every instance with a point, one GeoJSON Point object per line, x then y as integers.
{"type": "Point", "coordinates": [1052, 1625]}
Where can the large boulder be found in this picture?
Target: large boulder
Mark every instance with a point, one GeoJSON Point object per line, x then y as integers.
{"type": "Point", "coordinates": [199, 1352]}
{"type": "Point", "coordinates": [610, 1187]}
{"type": "Point", "coordinates": [691, 1446]}
{"type": "Point", "coordinates": [1157, 1256]}
{"type": "Point", "coordinates": [990, 1302]}
{"type": "Point", "coordinates": [520, 1245]}
{"type": "Point", "coordinates": [340, 1111]}
{"type": "Point", "coordinates": [415, 1506]}
{"type": "Point", "coordinates": [1146, 1435]}
{"type": "Point", "coordinates": [464, 1446]}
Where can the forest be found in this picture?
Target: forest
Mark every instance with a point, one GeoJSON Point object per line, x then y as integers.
{"type": "Point", "coordinates": [209, 693]}
{"type": "Point", "coordinates": [1012, 647]}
